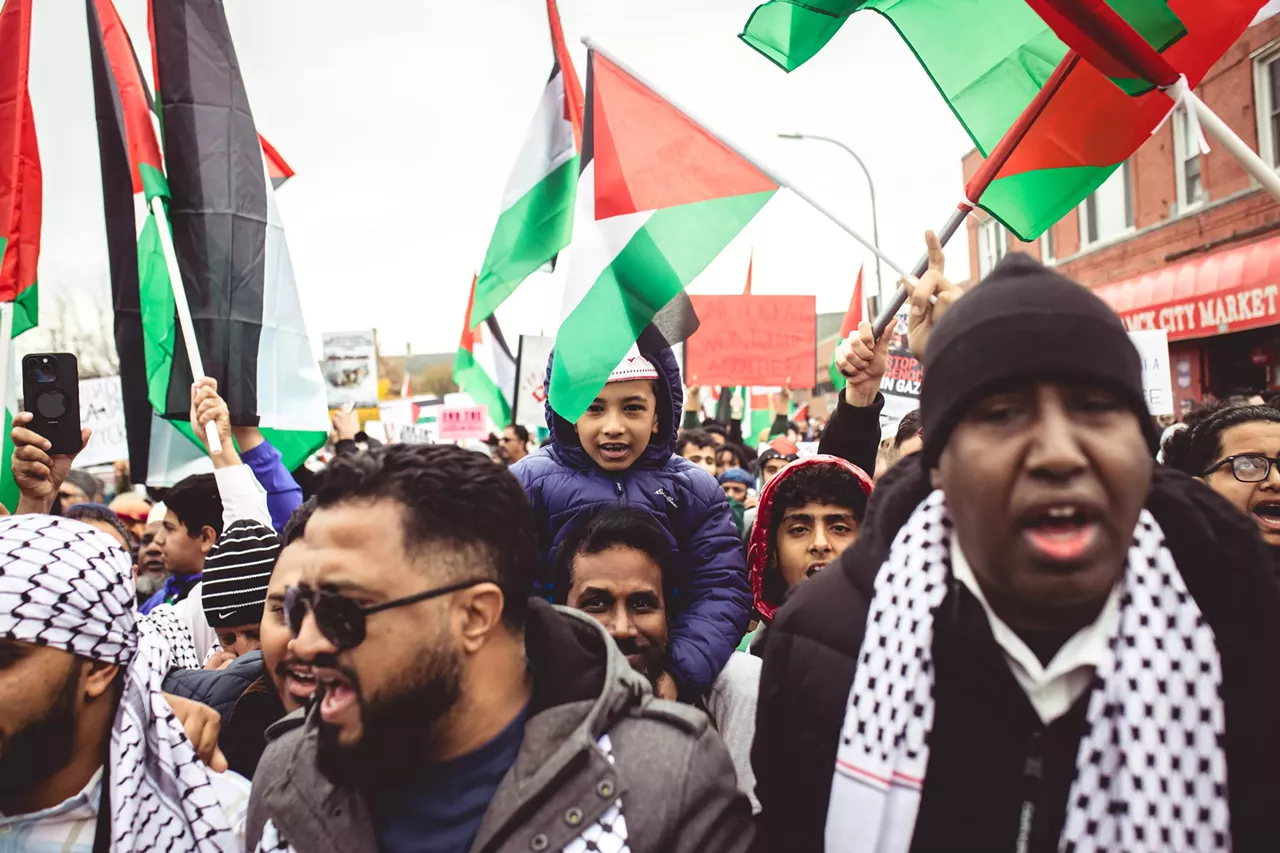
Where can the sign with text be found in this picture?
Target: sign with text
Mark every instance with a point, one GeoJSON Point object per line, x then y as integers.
{"type": "Point", "coordinates": [753, 340]}
{"type": "Point", "coordinates": [903, 375]}
{"type": "Point", "coordinates": [350, 368]}
{"type": "Point", "coordinates": [459, 423]}
{"type": "Point", "coordinates": [1229, 311]}
{"type": "Point", "coordinates": [1157, 379]}
{"type": "Point", "coordinates": [102, 410]}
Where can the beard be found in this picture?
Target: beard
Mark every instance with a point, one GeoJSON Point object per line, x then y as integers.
{"type": "Point", "coordinates": [398, 723]}
{"type": "Point", "coordinates": [655, 659]}
{"type": "Point", "coordinates": [43, 747]}
{"type": "Point", "coordinates": [148, 584]}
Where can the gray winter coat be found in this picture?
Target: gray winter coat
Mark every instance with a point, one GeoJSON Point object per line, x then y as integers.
{"type": "Point", "coordinates": [596, 740]}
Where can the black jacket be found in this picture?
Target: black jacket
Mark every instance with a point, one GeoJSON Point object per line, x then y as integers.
{"type": "Point", "coordinates": [853, 433]}
{"type": "Point", "coordinates": [985, 731]}
{"type": "Point", "coordinates": [220, 689]}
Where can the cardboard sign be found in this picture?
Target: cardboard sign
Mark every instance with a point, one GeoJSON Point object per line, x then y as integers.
{"type": "Point", "coordinates": [102, 410]}
{"type": "Point", "coordinates": [753, 340]}
{"type": "Point", "coordinates": [459, 423]}
{"type": "Point", "coordinates": [1157, 380]}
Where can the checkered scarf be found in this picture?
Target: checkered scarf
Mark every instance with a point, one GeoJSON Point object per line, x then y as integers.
{"type": "Point", "coordinates": [1150, 772]}
{"type": "Point", "coordinates": [68, 586]}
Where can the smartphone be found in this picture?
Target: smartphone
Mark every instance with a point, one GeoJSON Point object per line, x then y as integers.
{"type": "Point", "coordinates": [51, 393]}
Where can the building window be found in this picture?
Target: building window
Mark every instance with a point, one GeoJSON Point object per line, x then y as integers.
{"type": "Point", "coordinates": [1266, 95]}
{"type": "Point", "coordinates": [993, 243]}
{"type": "Point", "coordinates": [1048, 251]}
{"type": "Point", "coordinates": [1108, 212]}
{"type": "Point", "coordinates": [1186, 156]}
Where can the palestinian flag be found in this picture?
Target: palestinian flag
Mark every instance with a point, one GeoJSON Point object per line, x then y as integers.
{"type": "Point", "coordinates": [990, 59]}
{"type": "Point", "coordinates": [852, 317]}
{"type": "Point", "coordinates": [19, 215]}
{"type": "Point", "coordinates": [227, 233]}
{"type": "Point", "coordinates": [537, 206]}
{"type": "Point", "coordinates": [659, 198]}
{"type": "Point", "coordinates": [484, 366]}
{"type": "Point", "coordinates": [277, 168]}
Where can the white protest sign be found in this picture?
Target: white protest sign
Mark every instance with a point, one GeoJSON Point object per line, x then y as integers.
{"type": "Point", "coordinates": [531, 371]}
{"type": "Point", "coordinates": [102, 410]}
{"type": "Point", "coordinates": [1157, 382]}
{"type": "Point", "coordinates": [350, 368]}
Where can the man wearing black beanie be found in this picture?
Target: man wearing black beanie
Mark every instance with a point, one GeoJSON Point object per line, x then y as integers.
{"type": "Point", "coordinates": [1040, 641]}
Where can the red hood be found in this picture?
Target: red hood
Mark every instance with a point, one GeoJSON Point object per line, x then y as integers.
{"type": "Point", "coordinates": [758, 550]}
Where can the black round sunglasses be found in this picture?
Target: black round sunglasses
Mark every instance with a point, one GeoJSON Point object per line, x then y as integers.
{"type": "Point", "coordinates": [342, 620]}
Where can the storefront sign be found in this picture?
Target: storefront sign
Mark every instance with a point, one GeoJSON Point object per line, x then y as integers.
{"type": "Point", "coordinates": [1230, 311]}
{"type": "Point", "coordinates": [1157, 381]}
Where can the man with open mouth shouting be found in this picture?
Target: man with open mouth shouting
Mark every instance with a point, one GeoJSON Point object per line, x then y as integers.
{"type": "Point", "coordinates": [453, 712]}
{"type": "Point", "coordinates": [1234, 450]}
{"type": "Point", "coordinates": [1040, 642]}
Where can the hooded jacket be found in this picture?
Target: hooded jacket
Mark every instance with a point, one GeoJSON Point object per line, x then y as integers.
{"type": "Point", "coordinates": [595, 737]}
{"type": "Point", "coordinates": [565, 486]}
{"type": "Point", "coordinates": [982, 718]}
{"type": "Point", "coordinates": [758, 550]}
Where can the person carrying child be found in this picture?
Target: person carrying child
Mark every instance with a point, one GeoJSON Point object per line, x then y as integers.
{"type": "Point", "coordinates": [620, 453]}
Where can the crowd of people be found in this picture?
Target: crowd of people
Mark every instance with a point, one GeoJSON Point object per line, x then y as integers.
{"type": "Point", "coordinates": [1006, 626]}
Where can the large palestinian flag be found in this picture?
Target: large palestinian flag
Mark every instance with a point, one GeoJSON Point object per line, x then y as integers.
{"type": "Point", "coordinates": [228, 237]}
{"type": "Point", "coordinates": [537, 206]}
{"type": "Point", "coordinates": [990, 59]}
{"type": "Point", "coordinates": [484, 367]}
{"type": "Point", "coordinates": [658, 198]}
{"type": "Point", "coordinates": [19, 215]}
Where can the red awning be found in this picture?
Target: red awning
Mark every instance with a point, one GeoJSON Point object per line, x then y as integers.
{"type": "Point", "coordinates": [1226, 291]}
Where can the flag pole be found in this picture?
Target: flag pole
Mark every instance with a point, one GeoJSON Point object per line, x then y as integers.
{"type": "Point", "coordinates": [983, 177]}
{"type": "Point", "coordinates": [771, 174]}
{"type": "Point", "coordinates": [184, 311]}
{"type": "Point", "coordinates": [1227, 138]}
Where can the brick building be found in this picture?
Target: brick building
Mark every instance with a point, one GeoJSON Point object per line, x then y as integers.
{"type": "Point", "coordinates": [1180, 240]}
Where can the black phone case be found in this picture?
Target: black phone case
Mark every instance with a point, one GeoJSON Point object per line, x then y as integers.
{"type": "Point", "coordinates": [54, 405]}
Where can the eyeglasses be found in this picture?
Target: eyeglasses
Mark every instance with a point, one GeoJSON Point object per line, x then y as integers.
{"type": "Point", "coordinates": [1247, 467]}
{"type": "Point", "coordinates": [341, 620]}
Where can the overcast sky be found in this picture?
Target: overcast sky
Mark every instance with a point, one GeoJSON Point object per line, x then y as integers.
{"type": "Point", "coordinates": [403, 118]}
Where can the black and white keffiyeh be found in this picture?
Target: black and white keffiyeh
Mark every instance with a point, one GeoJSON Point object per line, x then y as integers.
{"type": "Point", "coordinates": [1151, 772]}
{"type": "Point", "coordinates": [65, 585]}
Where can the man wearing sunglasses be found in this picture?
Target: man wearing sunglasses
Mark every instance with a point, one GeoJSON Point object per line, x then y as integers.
{"type": "Point", "coordinates": [454, 713]}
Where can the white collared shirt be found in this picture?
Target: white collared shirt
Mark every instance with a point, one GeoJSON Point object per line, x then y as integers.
{"type": "Point", "coordinates": [1052, 689]}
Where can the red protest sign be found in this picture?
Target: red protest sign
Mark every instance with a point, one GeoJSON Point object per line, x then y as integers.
{"type": "Point", "coordinates": [459, 423]}
{"type": "Point", "coordinates": [753, 340]}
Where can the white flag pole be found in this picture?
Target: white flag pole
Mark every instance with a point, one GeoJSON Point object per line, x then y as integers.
{"type": "Point", "coordinates": [1226, 137]}
{"type": "Point", "coordinates": [771, 174]}
{"type": "Point", "coordinates": [184, 311]}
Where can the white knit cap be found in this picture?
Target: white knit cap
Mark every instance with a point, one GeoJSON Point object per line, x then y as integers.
{"type": "Point", "coordinates": [158, 512]}
{"type": "Point", "coordinates": [633, 367]}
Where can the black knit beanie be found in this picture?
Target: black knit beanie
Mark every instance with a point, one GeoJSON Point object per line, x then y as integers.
{"type": "Point", "coordinates": [237, 572]}
{"type": "Point", "coordinates": [1024, 322]}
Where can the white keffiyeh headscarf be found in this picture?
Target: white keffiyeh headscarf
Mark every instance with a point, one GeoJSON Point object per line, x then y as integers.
{"type": "Point", "coordinates": [1150, 772]}
{"type": "Point", "coordinates": [65, 585]}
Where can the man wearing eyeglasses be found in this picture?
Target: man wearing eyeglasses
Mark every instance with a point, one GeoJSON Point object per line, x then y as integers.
{"type": "Point", "coordinates": [454, 712]}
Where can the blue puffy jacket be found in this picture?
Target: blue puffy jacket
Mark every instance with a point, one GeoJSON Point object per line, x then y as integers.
{"type": "Point", "coordinates": [564, 485]}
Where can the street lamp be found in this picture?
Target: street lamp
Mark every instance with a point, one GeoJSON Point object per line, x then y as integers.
{"type": "Point", "coordinates": [875, 218]}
